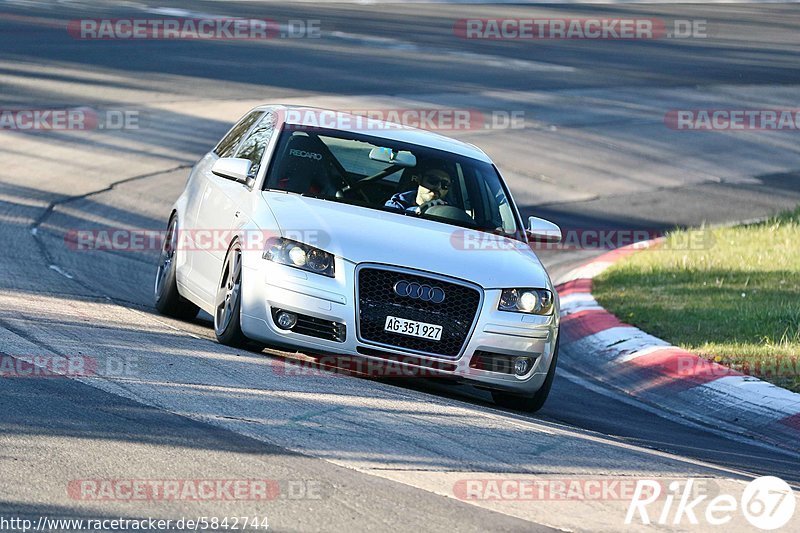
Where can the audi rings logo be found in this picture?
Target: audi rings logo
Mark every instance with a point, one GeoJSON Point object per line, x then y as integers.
{"type": "Point", "coordinates": [417, 291]}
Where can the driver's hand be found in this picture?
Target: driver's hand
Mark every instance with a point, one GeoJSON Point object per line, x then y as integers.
{"type": "Point", "coordinates": [427, 205]}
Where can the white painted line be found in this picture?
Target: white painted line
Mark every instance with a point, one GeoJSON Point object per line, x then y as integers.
{"type": "Point", "coordinates": [508, 63]}
{"type": "Point", "coordinates": [573, 310]}
{"type": "Point", "coordinates": [587, 271]}
{"type": "Point", "coordinates": [577, 300]}
{"type": "Point", "coordinates": [373, 40]}
{"type": "Point", "coordinates": [62, 272]}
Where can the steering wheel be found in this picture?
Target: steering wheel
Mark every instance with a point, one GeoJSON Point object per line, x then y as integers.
{"type": "Point", "coordinates": [442, 210]}
{"type": "Point", "coordinates": [433, 203]}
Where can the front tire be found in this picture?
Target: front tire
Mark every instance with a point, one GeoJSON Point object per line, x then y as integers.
{"type": "Point", "coordinates": [228, 301]}
{"type": "Point", "coordinates": [529, 404]}
{"type": "Point", "coordinates": [167, 299]}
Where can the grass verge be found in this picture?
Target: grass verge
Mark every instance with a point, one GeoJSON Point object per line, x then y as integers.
{"type": "Point", "coordinates": [731, 295]}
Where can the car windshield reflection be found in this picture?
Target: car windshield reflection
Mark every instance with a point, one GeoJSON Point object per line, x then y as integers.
{"type": "Point", "coordinates": [388, 175]}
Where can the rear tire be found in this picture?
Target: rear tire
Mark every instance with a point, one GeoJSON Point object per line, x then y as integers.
{"type": "Point", "coordinates": [167, 299]}
{"type": "Point", "coordinates": [529, 404]}
{"type": "Point", "coordinates": [228, 301]}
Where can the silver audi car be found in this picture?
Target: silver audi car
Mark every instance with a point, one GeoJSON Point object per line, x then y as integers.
{"type": "Point", "coordinates": [330, 233]}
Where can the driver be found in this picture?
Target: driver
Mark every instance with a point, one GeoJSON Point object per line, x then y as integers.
{"type": "Point", "coordinates": [432, 186]}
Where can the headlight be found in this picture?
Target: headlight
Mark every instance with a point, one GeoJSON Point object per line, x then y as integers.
{"type": "Point", "coordinates": [299, 255]}
{"type": "Point", "coordinates": [531, 301]}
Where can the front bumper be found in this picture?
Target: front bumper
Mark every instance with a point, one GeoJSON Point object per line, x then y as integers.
{"type": "Point", "coordinates": [268, 286]}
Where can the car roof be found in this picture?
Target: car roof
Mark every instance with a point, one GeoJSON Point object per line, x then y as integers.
{"type": "Point", "coordinates": [309, 116]}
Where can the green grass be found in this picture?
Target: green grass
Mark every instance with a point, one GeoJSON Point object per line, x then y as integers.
{"type": "Point", "coordinates": [731, 295]}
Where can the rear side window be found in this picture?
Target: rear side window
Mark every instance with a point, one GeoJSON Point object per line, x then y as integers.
{"type": "Point", "coordinates": [227, 146]}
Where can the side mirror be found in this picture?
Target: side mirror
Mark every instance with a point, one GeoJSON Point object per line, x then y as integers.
{"type": "Point", "coordinates": [541, 230]}
{"type": "Point", "coordinates": [233, 168]}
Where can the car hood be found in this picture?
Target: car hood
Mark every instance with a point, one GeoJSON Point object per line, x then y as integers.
{"type": "Point", "coordinates": [361, 235]}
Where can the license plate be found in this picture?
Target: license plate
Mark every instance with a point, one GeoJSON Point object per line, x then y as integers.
{"type": "Point", "coordinates": [412, 328]}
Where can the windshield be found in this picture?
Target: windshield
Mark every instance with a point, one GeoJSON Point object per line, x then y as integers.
{"type": "Point", "coordinates": [383, 174]}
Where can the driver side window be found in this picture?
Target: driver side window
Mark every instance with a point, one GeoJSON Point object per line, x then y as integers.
{"type": "Point", "coordinates": [255, 144]}
{"type": "Point", "coordinates": [228, 144]}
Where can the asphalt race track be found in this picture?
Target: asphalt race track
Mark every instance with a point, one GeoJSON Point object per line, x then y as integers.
{"type": "Point", "coordinates": [169, 403]}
